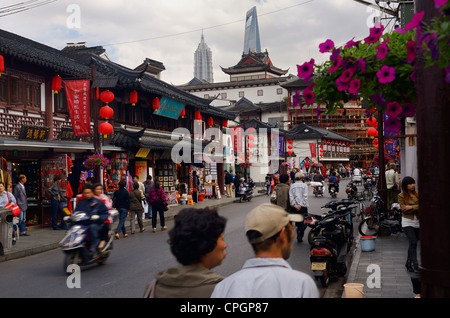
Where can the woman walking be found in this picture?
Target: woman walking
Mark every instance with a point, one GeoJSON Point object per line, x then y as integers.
{"type": "Point", "coordinates": [158, 201]}
{"type": "Point", "coordinates": [121, 201]}
{"type": "Point", "coordinates": [57, 196]}
{"type": "Point", "coordinates": [136, 208]}
{"type": "Point", "coordinates": [409, 203]}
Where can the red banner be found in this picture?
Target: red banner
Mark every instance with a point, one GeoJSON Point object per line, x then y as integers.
{"type": "Point", "coordinates": [313, 149]}
{"type": "Point", "coordinates": [236, 134]}
{"type": "Point", "coordinates": [77, 93]}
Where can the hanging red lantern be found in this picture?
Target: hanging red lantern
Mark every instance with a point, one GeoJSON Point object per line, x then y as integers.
{"type": "Point", "coordinates": [133, 98]}
{"type": "Point", "coordinates": [56, 83]}
{"type": "Point", "coordinates": [106, 112]}
{"type": "Point", "coordinates": [183, 112]}
{"type": "Point", "coordinates": [225, 123]}
{"type": "Point", "coordinates": [371, 121]}
{"type": "Point", "coordinates": [251, 130]}
{"type": "Point", "coordinates": [290, 141]}
{"type": "Point", "coordinates": [251, 145]}
{"type": "Point", "coordinates": [2, 65]}
{"type": "Point", "coordinates": [155, 103]}
{"type": "Point", "coordinates": [105, 128]}
{"type": "Point", "coordinates": [290, 152]}
{"type": "Point", "coordinates": [198, 115]}
{"type": "Point", "coordinates": [251, 137]}
{"type": "Point", "coordinates": [210, 121]}
{"type": "Point", "coordinates": [107, 96]}
{"type": "Point", "coordinates": [290, 147]}
{"type": "Point", "coordinates": [372, 132]}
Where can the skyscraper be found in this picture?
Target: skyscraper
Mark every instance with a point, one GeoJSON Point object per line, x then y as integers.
{"type": "Point", "coordinates": [252, 42]}
{"type": "Point", "coordinates": [203, 68]}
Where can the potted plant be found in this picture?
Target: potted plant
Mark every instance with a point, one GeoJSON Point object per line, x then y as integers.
{"type": "Point", "coordinates": [96, 160]}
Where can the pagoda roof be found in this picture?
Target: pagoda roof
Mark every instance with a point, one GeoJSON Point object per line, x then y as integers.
{"type": "Point", "coordinates": [305, 131]}
{"type": "Point", "coordinates": [254, 62]}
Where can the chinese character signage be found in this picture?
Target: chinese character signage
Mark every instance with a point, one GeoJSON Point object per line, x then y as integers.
{"type": "Point", "coordinates": [34, 133]}
{"type": "Point", "coordinates": [77, 93]}
{"type": "Point", "coordinates": [169, 108]}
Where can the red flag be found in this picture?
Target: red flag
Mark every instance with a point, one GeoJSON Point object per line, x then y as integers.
{"type": "Point", "coordinates": [77, 93]}
{"type": "Point", "coordinates": [312, 147]}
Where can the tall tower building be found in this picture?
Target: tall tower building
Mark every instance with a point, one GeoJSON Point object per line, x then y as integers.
{"type": "Point", "coordinates": [252, 42]}
{"type": "Point", "coordinates": [203, 68]}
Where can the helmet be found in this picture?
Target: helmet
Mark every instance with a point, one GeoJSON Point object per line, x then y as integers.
{"type": "Point", "coordinates": [241, 179]}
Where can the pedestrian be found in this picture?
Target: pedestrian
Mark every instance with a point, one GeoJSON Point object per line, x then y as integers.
{"type": "Point", "coordinates": [292, 175]}
{"type": "Point", "coordinates": [158, 201]}
{"type": "Point", "coordinates": [20, 194]}
{"type": "Point", "coordinates": [148, 184]}
{"type": "Point", "coordinates": [141, 186]}
{"type": "Point", "coordinates": [392, 185]}
{"type": "Point", "coordinates": [98, 193]}
{"type": "Point", "coordinates": [298, 197]}
{"type": "Point", "coordinates": [197, 242]}
{"type": "Point", "coordinates": [6, 198]}
{"type": "Point", "coordinates": [268, 275]}
{"type": "Point", "coordinates": [409, 204]}
{"type": "Point", "coordinates": [57, 198]}
{"type": "Point", "coordinates": [280, 195]}
{"type": "Point", "coordinates": [237, 183]}
{"type": "Point", "coordinates": [229, 184]}
{"type": "Point", "coordinates": [267, 182]}
{"type": "Point", "coordinates": [195, 186]}
{"type": "Point", "coordinates": [136, 208]}
{"type": "Point", "coordinates": [121, 202]}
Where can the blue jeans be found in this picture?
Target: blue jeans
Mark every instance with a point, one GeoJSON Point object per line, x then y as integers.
{"type": "Point", "coordinates": [55, 209]}
{"type": "Point", "coordinates": [22, 220]}
{"type": "Point", "coordinates": [94, 230]}
{"type": "Point", "coordinates": [123, 213]}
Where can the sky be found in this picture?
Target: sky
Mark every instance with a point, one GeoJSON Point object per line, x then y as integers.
{"type": "Point", "coordinates": [169, 31]}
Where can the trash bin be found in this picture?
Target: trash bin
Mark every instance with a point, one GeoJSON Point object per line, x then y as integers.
{"type": "Point", "coordinates": [6, 228]}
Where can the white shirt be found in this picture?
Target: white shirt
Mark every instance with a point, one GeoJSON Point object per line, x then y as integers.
{"type": "Point", "coordinates": [356, 172]}
{"type": "Point", "coordinates": [298, 194]}
{"type": "Point", "coordinates": [266, 278]}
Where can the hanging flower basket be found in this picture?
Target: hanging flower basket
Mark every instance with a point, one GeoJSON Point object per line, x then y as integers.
{"type": "Point", "coordinates": [96, 160]}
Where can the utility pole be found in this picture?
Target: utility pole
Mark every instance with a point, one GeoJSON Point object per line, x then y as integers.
{"type": "Point", "coordinates": [96, 141]}
{"type": "Point", "coordinates": [432, 115]}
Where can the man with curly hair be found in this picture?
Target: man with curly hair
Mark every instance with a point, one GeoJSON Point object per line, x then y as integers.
{"type": "Point", "coordinates": [197, 242]}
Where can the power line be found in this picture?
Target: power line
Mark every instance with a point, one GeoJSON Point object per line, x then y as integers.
{"type": "Point", "coordinates": [23, 6]}
{"type": "Point", "coordinates": [207, 28]}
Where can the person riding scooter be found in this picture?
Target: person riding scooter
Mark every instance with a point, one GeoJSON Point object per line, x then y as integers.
{"type": "Point", "coordinates": [93, 206]}
{"type": "Point", "coordinates": [333, 181]}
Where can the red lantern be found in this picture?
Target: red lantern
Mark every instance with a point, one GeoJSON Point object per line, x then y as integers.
{"type": "Point", "coordinates": [290, 141]}
{"type": "Point", "coordinates": [155, 103]}
{"type": "Point", "coordinates": [2, 65]}
{"type": "Point", "coordinates": [290, 152]}
{"type": "Point", "coordinates": [251, 130]}
{"type": "Point", "coordinates": [371, 121]}
{"type": "Point", "coordinates": [210, 121]}
{"type": "Point", "coordinates": [106, 112]}
{"type": "Point", "coordinates": [251, 137]}
{"type": "Point", "coordinates": [251, 145]}
{"type": "Point", "coordinates": [372, 132]}
{"type": "Point", "coordinates": [107, 96]}
{"type": "Point", "coordinates": [56, 83]}
{"type": "Point", "coordinates": [290, 147]}
{"type": "Point", "coordinates": [225, 123]}
{"type": "Point", "coordinates": [133, 98]}
{"type": "Point", "coordinates": [105, 128]}
{"type": "Point", "coordinates": [198, 115]}
{"type": "Point", "coordinates": [183, 112]}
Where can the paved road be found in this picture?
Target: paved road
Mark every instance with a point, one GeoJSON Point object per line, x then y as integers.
{"type": "Point", "coordinates": [136, 259]}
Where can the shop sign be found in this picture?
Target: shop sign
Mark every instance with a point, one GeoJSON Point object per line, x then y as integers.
{"type": "Point", "coordinates": [142, 153]}
{"type": "Point", "coordinates": [34, 133]}
{"type": "Point", "coordinates": [169, 108]}
{"type": "Point", "coordinates": [77, 93]}
{"type": "Point", "coordinates": [67, 134]}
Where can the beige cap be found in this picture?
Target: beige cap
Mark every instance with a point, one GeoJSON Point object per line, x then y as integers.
{"type": "Point", "coordinates": [298, 175]}
{"type": "Point", "coordinates": [268, 219]}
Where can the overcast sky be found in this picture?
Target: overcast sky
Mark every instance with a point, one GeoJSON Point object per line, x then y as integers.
{"type": "Point", "coordinates": [169, 31]}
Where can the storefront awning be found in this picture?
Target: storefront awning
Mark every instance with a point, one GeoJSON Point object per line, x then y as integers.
{"type": "Point", "coordinates": [57, 145]}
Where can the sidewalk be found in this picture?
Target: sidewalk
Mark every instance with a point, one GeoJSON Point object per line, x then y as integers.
{"type": "Point", "coordinates": [45, 239]}
{"type": "Point", "coordinates": [388, 260]}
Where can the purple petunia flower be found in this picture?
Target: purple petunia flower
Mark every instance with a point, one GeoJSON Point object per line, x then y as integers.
{"type": "Point", "coordinates": [409, 110]}
{"type": "Point", "coordinates": [341, 86]}
{"type": "Point", "coordinates": [400, 30]}
{"type": "Point", "coordinates": [296, 99]}
{"type": "Point", "coordinates": [382, 50]}
{"type": "Point", "coordinates": [393, 125]}
{"type": "Point", "coordinates": [351, 43]}
{"type": "Point", "coordinates": [336, 63]}
{"type": "Point", "coordinates": [418, 16]}
{"type": "Point", "coordinates": [433, 45]}
{"type": "Point", "coordinates": [386, 74]}
{"type": "Point", "coordinates": [309, 96]}
{"type": "Point", "coordinates": [306, 69]}
{"type": "Point", "coordinates": [411, 50]}
{"type": "Point", "coordinates": [439, 3]}
{"type": "Point", "coordinates": [335, 54]}
{"type": "Point", "coordinates": [354, 86]}
{"type": "Point", "coordinates": [379, 99]}
{"type": "Point", "coordinates": [393, 109]}
{"type": "Point", "coordinates": [362, 65]}
{"type": "Point", "coordinates": [377, 30]}
{"type": "Point", "coordinates": [326, 46]}
{"type": "Point", "coordinates": [371, 39]}
{"type": "Point", "coordinates": [346, 75]}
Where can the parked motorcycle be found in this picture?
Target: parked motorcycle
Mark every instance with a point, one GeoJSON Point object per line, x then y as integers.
{"type": "Point", "coordinates": [377, 220]}
{"type": "Point", "coordinates": [352, 191]}
{"type": "Point", "coordinates": [76, 242]}
{"type": "Point", "coordinates": [317, 188]}
{"type": "Point", "coordinates": [329, 249]}
{"type": "Point", "coordinates": [246, 190]}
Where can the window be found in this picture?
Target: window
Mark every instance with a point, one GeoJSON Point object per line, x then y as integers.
{"type": "Point", "coordinates": [16, 91]}
{"type": "Point", "coordinates": [206, 96]}
{"type": "Point", "coordinates": [241, 94]}
{"type": "Point", "coordinates": [279, 91]}
{"type": "Point", "coordinates": [223, 95]}
{"type": "Point", "coordinates": [260, 92]}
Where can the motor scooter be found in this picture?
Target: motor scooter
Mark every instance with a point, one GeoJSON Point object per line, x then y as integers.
{"type": "Point", "coordinates": [246, 190]}
{"type": "Point", "coordinates": [332, 190]}
{"type": "Point", "coordinates": [76, 242]}
{"type": "Point", "coordinates": [317, 188]}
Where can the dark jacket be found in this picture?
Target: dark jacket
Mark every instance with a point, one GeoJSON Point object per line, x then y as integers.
{"type": "Point", "coordinates": [136, 201]}
{"type": "Point", "coordinates": [94, 206]}
{"type": "Point", "coordinates": [21, 196]}
{"type": "Point", "coordinates": [121, 199]}
{"type": "Point", "coordinates": [228, 178]}
{"type": "Point", "coordinates": [282, 196]}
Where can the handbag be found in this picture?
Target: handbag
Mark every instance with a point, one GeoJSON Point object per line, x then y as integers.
{"type": "Point", "coordinates": [13, 207]}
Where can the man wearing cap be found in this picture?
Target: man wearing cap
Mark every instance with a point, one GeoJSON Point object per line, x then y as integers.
{"type": "Point", "coordinates": [298, 197]}
{"type": "Point", "coordinates": [268, 275]}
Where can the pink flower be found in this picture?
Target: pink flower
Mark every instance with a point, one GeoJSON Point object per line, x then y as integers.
{"type": "Point", "coordinates": [400, 30]}
{"type": "Point", "coordinates": [411, 50]}
{"type": "Point", "coordinates": [377, 30]}
{"type": "Point", "coordinates": [309, 96]}
{"type": "Point", "coordinates": [393, 109]}
{"type": "Point", "coordinates": [351, 43]}
{"type": "Point", "coordinates": [336, 63]}
{"type": "Point", "coordinates": [386, 74]}
{"type": "Point", "coordinates": [354, 86]}
{"type": "Point", "coordinates": [342, 86]}
{"type": "Point", "coordinates": [409, 110]}
{"type": "Point", "coordinates": [415, 21]}
{"type": "Point", "coordinates": [372, 38]}
{"type": "Point", "coordinates": [346, 75]}
{"type": "Point", "coordinates": [382, 50]}
{"type": "Point", "coordinates": [326, 46]}
{"type": "Point", "coordinates": [393, 125]}
{"type": "Point", "coordinates": [296, 99]}
{"type": "Point", "coordinates": [362, 65]}
{"type": "Point", "coordinates": [306, 69]}
{"type": "Point", "coordinates": [440, 3]}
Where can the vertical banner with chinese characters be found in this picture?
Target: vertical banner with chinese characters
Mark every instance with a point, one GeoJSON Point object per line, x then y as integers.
{"type": "Point", "coordinates": [77, 93]}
